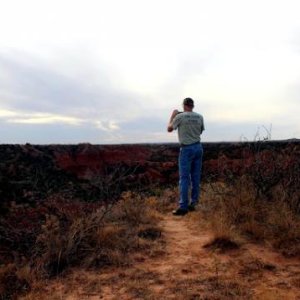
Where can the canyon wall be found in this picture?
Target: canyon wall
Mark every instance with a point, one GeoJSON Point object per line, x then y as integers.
{"type": "Point", "coordinates": [33, 172]}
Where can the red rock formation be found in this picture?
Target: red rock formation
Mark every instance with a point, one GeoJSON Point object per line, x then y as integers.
{"type": "Point", "coordinates": [156, 161]}
{"type": "Point", "coordinates": [58, 167]}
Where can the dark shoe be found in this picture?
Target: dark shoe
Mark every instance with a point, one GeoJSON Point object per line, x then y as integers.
{"type": "Point", "coordinates": [192, 207]}
{"type": "Point", "coordinates": [180, 212]}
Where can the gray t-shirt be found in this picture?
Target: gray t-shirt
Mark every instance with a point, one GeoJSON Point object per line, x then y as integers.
{"type": "Point", "coordinates": [190, 126]}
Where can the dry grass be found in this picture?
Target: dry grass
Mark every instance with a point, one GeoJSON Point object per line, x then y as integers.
{"type": "Point", "coordinates": [105, 236]}
{"type": "Point", "coordinates": [163, 200]}
{"type": "Point", "coordinates": [13, 281]}
{"type": "Point", "coordinates": [222, 244]}
{"type": "Point", "coordinates": [114, 236]}
{"type": "Point", "coordinates": [210, 287]}
{"type": "Point", "coordinates": [235, 214]}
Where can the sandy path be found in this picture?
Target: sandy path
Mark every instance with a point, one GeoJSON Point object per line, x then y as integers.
{"type": "Point", "coordinates": [183, 247]}
{"type": "Point", "coordinates": [186, 270]}
{"type": "Point", "coordinates": [183, 257]}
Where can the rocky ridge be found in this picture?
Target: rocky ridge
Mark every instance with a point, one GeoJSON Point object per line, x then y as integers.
{"type": "Point", "coordinates": [29, 172]}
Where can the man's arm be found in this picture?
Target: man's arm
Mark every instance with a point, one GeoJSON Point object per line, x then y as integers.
{"type": "Point", "coordinates": [203, 126]}
{"type": "Point", "coordinates": [173, 115]}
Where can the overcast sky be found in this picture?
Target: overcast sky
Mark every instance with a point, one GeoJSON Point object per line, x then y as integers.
{"type": "Point", "coordinates": [112, 71]}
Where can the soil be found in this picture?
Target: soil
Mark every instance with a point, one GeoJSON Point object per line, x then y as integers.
{"type": "Point", "coordinates": [182, 266]}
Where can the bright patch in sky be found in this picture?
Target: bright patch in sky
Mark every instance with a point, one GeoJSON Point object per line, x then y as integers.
{"type": "Point", "coordinates": [112, 71]}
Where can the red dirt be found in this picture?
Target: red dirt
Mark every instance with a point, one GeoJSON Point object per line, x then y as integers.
{"type": "Point", "coordinates": [183, 269]}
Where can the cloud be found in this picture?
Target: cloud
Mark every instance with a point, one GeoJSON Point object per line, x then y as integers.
{"type": "Point", "coordinates": [52, 133]}
{"type": "Point", "coordinates": [107, 126]}
{"type": "Point", "coordinates": [4, 113]}
{"type": "Point", "coordinates": [43, 118]}
{"type": "Point", "coordinates": [116, 75]}
{"type": "Point", "coordinates": [31, 91]}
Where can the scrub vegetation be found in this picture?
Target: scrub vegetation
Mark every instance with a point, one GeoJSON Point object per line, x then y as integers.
{"type": "Point", "coordinates": [242, 242]}
{"type": "Point", "coordinates": [46, 241]}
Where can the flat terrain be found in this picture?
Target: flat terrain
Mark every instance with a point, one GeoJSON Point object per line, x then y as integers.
{"type": "Point", "coordinates": [180, 267]}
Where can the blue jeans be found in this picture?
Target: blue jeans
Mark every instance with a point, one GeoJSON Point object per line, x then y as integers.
{"type": "Point", "coordinates": [190, 165]}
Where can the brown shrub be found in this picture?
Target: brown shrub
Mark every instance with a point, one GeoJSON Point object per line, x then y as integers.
{"type": "Point", "coordinates": [98, 238]}
{"type": "Point", "coordinates": [284, 229]}
{"type": "Point", "coordinates": [165, 201]}
{"type": "Point", "coordinates": [238, 211]}
{"type": "Point", "coordinates": [76, 234]}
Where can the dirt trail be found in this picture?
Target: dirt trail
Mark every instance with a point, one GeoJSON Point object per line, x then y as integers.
{"type": "Point", "coordinates": [183, 269]}
{"type": "Point", "coordinates": [183, 248]}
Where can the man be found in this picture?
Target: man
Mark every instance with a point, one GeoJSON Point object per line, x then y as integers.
{"type": "Point", "coordinates": [190, 126]}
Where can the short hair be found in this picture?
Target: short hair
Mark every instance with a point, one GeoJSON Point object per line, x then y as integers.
{"type": "Point", "coordinates": [188, 102]}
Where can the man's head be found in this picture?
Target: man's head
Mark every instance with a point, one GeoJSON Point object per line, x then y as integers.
{"type": "Point", "coordinates": [188, 104]}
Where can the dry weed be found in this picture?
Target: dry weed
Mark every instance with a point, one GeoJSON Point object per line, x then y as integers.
{"type": "Point", "coordinates": [72, 235]}
{"type": "Point", "coordinates": [238, 213]}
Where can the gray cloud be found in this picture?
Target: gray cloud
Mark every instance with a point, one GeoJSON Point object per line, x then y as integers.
{"type": "Point", "coordinates": [54, 133]}
{"type": "Point", "coordinates": [233, 131]}
{"type": "Point", "coordinates": [150, 123]}
{"type": "Point", "coordinates": [106, 113]}
{"type": "Point", "coordinates": [33, 86]}
{"type": "Point", "coordinates": [190, 66]}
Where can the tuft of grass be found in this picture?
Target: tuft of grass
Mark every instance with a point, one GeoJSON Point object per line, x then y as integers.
{"type": "Point", "coordinates": [284, 229]}
{"type": "Point", "coordinates": [255, 267]}
{"type": "Point", "coordinates": [150, 233]}
{"type": "Point", "coordinates": [222, 244]}
{"type": "Point", "coordinates": [164, 201]}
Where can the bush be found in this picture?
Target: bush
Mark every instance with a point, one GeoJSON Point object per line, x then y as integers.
{"type": "Point", "coordinates": [91, 238]}
{"type": "Point", "coordinates": [238, 212]}
{"type": "Point", "coordinates": [62, 233]}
